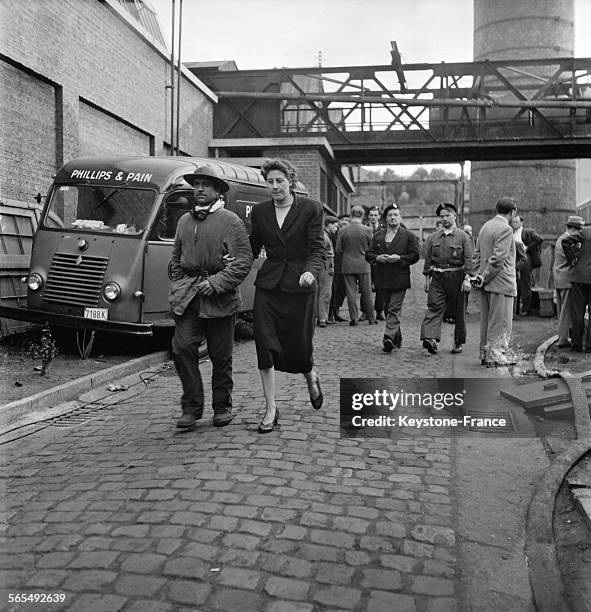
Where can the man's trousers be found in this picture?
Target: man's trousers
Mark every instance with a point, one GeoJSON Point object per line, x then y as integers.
{"type": "Point", "coordinates": [524, 271]}
{"type": "Point", "coordinates": [189, 334]}
{"type": "Point", "coordinates": [351, 290]}
{"type": "Point", "coordinates": [324, 294]}
{"type": "Point", "coordinates": [445, 293]}
{"type": "Point", "coordinates": [392, 301]}
{"type": "Point", "coordinates": [579, 298]}
{"type": "Point", "coordinates": [496, 323]}
{"type": "Point", "coordinates": [563, 308]}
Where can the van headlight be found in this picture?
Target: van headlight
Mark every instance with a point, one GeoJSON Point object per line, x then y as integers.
{"type": "Point", "coordinates": [35, 282]}
{"type": "Point", "coordinates": [111, 291]}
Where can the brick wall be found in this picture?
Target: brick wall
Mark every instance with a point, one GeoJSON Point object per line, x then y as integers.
{"type": "Point", "coordinates": [28, 143]}
{"type": "Point", "coordinates": [306, 161]}
{"type": "Point", "coordinates": [545, 192]}
{"type": "Point", "coordinates": [78, 79]}
{"type": "Point", "coordinates": [100, 134]}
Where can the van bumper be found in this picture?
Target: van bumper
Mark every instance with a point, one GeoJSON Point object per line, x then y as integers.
{"type": "Point", "coordinates": [61, 320]}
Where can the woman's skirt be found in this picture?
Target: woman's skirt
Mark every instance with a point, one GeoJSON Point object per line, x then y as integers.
{"type": "Point", "coordinates": [283, 329]}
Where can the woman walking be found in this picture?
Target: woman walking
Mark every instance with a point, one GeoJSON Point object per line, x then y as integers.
{"type": "Point", "coordinates": [289, 226]}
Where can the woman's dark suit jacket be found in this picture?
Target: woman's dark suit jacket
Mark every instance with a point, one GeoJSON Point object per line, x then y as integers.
{"type": "Point", "coordinates": [393, 276]}
{"type": "Point", "coordinates": [293, 249]}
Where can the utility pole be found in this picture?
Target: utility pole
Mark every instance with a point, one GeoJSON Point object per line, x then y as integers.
{"type": "Point", "coordinates": [171, 86]}
{"type": "Point", "coordinates": [178, 77]}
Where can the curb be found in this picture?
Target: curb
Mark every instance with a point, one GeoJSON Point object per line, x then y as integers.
{"type": "Point", "coordinates": [10, 413]}
{"type": "Point", "coordinates": [540, 550]}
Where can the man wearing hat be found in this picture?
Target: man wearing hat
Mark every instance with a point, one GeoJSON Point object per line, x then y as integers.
{"type": "Point", "coordinates": [494, 260]}
{"type": "Point", "coordinates": [577, 249]}
{"type": "Point", "coordinates": [561, 269]}
{"type": "Point", "coordinates": [210, 258]}
{"type": "Point", "coordinates": [448, 269]}
{"type": "Point", "coordinates": [392, 251]}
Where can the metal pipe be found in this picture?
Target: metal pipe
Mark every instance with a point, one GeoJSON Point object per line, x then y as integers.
{"type": "Point", "coordinates": [172, 81]}
{"type": "Point", "coordinates": [178, 76]}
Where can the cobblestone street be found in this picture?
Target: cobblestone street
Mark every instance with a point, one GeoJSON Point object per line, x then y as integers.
{"type": "Point", "coordinates": [125, 513]}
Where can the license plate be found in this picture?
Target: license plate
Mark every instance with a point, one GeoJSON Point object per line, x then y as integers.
{"type": "Point", "coordinates": [98, 314]}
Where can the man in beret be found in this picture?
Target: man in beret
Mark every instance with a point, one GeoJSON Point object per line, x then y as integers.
{"type": "Point", "coordinates": [211, 256]}
{"type": "Point", "coordinates": [392, 251]}
{"type": "Point", "coordinates": [494, 260]}
{"type": "Point", "coordinates": [448, 269]}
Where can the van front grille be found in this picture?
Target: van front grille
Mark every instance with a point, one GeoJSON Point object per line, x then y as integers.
{"type": "Point", "coordinates": [75, 279]}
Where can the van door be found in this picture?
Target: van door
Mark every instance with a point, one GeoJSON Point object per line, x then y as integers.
{"type": "Point", "coordinates": [159, 255]}
{"type": "Point", "coordinates": [241, 199]}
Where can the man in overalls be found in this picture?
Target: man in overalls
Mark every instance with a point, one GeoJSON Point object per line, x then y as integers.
{"type": "Point", "coordinates": [448, 269]}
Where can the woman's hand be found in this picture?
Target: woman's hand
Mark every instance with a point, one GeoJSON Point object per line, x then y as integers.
{"type": "Point", "coordinates": [306, 279]}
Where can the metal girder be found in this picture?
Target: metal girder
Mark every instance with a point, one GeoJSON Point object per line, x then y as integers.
{"type": "Point", "coordinates": [534, 101]}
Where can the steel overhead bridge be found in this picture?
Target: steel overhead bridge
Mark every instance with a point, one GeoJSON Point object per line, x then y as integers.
{"type": "Point", "coordinates": [405, 113]}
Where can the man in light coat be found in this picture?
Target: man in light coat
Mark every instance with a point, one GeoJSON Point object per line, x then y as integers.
{"type": "Point", "coordinates": [560, 270]}
{"type": "Point", "coordinates": [211, 256]}
{"type": "Point", "coordinates": [494, 261]}
{"type": "Point", "coordinates": [352, 244]}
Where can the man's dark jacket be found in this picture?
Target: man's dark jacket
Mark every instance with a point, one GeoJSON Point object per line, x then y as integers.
{"type": "Point", "coordinates": [393, 276]}
{"type": "Point", "coordinates": [577, 250]}
{"type": "Point", "coordinates": [533, 243]}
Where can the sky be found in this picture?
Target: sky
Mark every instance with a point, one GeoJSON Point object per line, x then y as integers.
{"type": "Point", "coordinates": [291, 33]}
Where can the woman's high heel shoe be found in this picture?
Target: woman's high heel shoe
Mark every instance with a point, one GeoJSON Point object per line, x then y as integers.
{"type": "Point", "coordinates": [263, 429]}
{"type": "Point", "coordinates": [317, 403]}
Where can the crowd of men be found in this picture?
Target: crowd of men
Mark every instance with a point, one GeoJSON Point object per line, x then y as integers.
{"type": "Point", "coordinates": [372, 251]}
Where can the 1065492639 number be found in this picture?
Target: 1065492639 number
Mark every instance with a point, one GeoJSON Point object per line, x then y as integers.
{"type": "Point", "coordinates": [36, 597]}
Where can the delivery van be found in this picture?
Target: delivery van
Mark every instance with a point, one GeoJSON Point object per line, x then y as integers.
{"type": "Point", "coordinates": [101, 256]}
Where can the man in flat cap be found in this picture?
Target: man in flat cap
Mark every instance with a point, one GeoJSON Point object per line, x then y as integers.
{"type": "Point", "coordinates": [494, 260]}
{"type": "Point", "coordinates": [560, 270]}
{"type": "Point", "coordinates": [392, 251]}
{"type": "Point", "coordinates": [352, 244]}
{"type": "Point", "coordinates": [448, 269]}
{"type": "Point", "coordinates": [210, 258]}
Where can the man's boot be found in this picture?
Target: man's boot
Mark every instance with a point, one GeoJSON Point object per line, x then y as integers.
{"type": "Point", "coordinates": [189, 418]}
{"type": "Point", "coordinates": [223, 417]}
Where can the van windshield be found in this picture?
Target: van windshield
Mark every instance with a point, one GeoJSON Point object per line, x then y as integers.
{"type": "Point", "coordinates": [105, 209]}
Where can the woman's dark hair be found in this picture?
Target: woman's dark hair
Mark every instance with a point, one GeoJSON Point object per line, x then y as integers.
{"type": "Point", "coordinates": [283, 166]}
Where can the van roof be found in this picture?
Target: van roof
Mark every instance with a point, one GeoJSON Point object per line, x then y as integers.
{"type": "Point", "coordinates": [162, 170]}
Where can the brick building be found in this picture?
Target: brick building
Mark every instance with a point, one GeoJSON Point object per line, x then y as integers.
{"type": "Point", "coordinates": [85, 77]}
